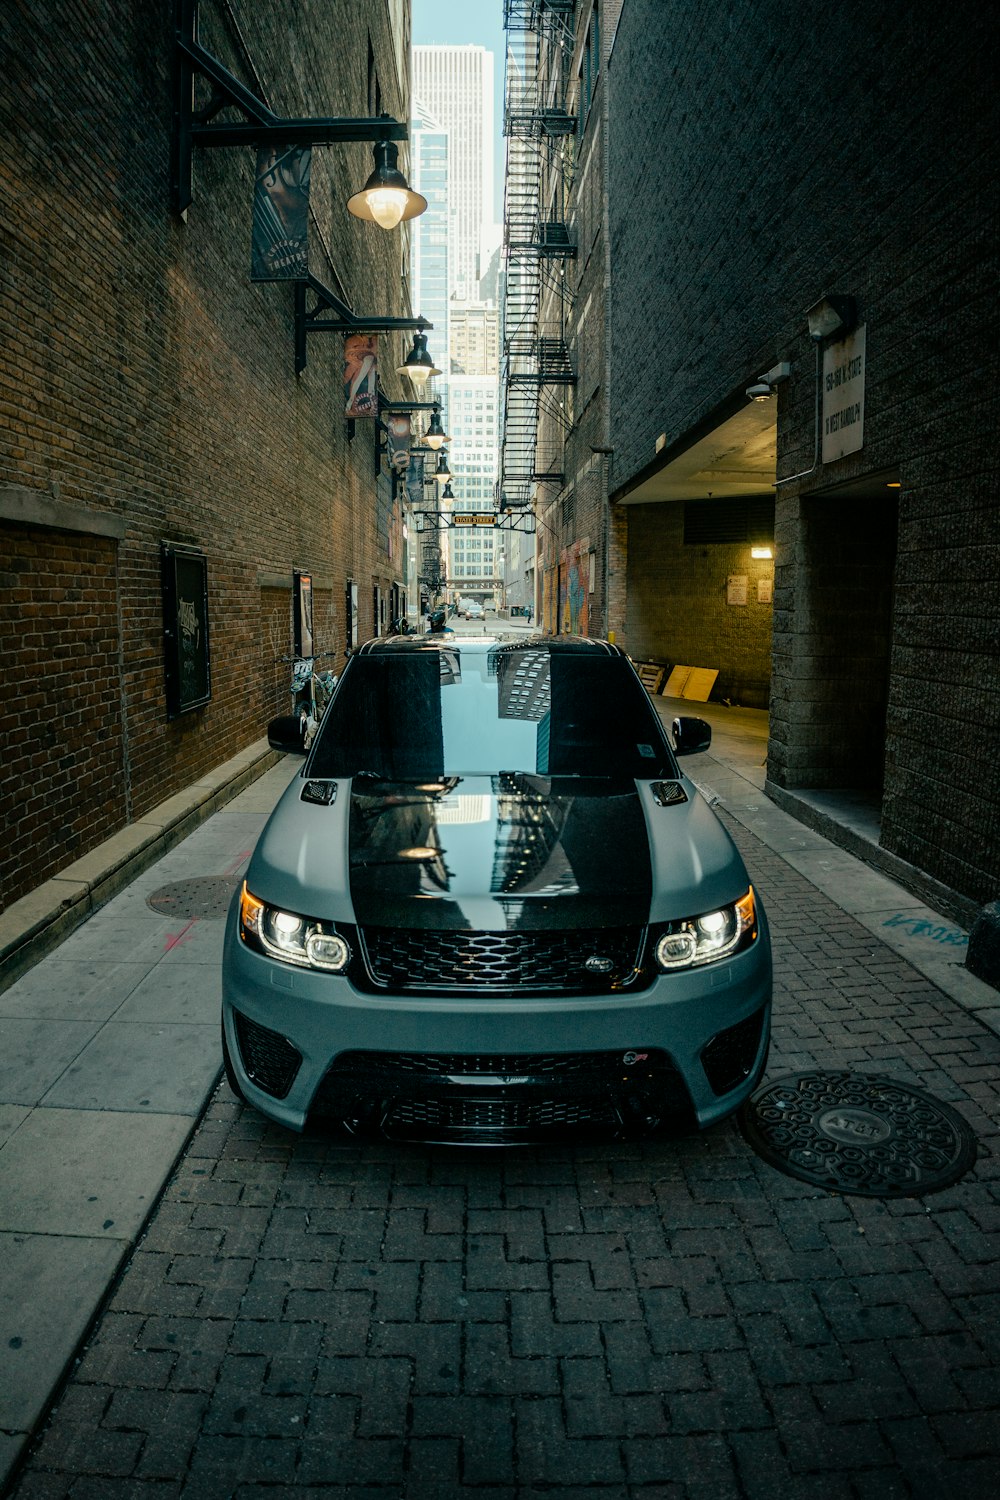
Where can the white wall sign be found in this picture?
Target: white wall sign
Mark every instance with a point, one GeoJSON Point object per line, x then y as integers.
{"type": "Point", "coordinates": [736, 588]}
{"type": "Point", "coordinates": [844, 396]}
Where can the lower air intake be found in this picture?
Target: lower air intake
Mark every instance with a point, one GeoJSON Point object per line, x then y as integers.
{"type": "Point", "coordinates": [729, 1057]}
{"type": "Point", "coordinates": [269, 1060]}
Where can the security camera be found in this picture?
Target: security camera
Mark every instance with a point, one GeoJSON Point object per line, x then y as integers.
{"type": "Point", "coordinates": [759, 391]}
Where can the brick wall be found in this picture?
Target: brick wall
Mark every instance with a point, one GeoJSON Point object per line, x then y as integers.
{"type": "Point", "coordinates": [759, 158]}
{"type": "Point", "coordinates": [61, 784]}
{"type": "Point", "coordinates": [143, 375]}
{"type": "Point", "coordinates": [574, 419]}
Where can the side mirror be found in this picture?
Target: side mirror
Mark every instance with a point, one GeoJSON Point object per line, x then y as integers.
{"type": "Point", "coordinates": [690, 735]}
{"type": "Point", "coordinates": [286, 734]}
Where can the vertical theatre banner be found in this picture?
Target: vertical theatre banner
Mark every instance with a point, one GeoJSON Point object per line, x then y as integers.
{"type": "Point", "coordinates": [397, 429]}
{"type": "Point", "coordinates": [360, 375]}
{"type": "Point", "coordinates": [280, 247]}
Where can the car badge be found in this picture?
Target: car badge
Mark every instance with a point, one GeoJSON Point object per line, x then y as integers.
{"type": "Point", "coordinates": [631, 1058]}
{"type": "Point", "coordinates": [597, 965]}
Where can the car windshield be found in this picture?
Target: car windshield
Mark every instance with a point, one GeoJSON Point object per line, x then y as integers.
{"type": "Point", "coordinates": [420, 715]}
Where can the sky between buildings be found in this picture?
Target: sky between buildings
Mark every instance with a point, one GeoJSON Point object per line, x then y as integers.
{"type": "Point", "coordinates": [457, 23]}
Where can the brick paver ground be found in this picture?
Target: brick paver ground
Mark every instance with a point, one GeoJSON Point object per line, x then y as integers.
{"type": "Point", "coordinates": [671, 1319]}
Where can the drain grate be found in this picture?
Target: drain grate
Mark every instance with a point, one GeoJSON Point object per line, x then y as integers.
{"type": "Point", "coordinates": [201, 896]}
{"type": "Point", "coordinates": [855, 1133]}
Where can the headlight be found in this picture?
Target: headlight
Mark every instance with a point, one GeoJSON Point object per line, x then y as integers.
{"type": "Point", "coordinates": [295, 940]}
{"type": "Point", "coordinates": [702, 940]}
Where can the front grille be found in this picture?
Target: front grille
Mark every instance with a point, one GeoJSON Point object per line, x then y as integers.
{"type": "Point", "coordinates": [602, 1068]}
{"type": "Point", "coordinates": [269, 1060]}
{"type": "Point", "coordinates": [461, 1120]}
{"type": "Point", "coordinates": [498, 1098]}
{"type": "Point", "coordinates": [490, 962]}
{"type": "Point", "coordinates": [729, 1057]}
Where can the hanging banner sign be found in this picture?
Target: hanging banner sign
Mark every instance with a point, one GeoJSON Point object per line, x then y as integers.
{"type": "Point", "coordinates": [360, 375]}
{"type": "Point", "coordinates": [415, 481]}
{"type": "Point", "coordinates": [397, 440]}
{"type": "Point", "coordinates": [280, 245]}
{"type": "Point", "coordinates": [844, 396]}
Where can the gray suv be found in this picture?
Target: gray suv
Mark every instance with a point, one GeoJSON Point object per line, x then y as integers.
{"type": "Point", "coordinates": [493, 910]}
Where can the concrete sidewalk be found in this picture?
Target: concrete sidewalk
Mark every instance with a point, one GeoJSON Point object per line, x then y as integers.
{"type": "Point", "coordinates": [109, 1048]}
{"type": "Point", "coordinates": [110, 1051]}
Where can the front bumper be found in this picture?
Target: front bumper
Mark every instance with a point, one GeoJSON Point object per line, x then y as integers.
{"type": "Point", "coordinates": [496, 1070]}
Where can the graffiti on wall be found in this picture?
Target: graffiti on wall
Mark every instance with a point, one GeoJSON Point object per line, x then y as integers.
{"type": "Point", "coordinates": [574, 588]}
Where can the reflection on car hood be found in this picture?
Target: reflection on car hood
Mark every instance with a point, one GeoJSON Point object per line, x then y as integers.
{"type": "Point", "coordinates": [494, 852]}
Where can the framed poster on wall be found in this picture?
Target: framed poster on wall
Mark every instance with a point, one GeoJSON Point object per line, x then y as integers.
{"type": "Point", "coordinates": [352, 613]}
{"type": "Point", "coordinates": [303, 615]}
{"type": "Point", "coordinates": [186, 660]}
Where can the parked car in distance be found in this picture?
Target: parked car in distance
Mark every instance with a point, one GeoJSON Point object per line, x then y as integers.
{"type": "Point", "coordinates": [492, 909]}
{"type": "Point", "coordinates": [473, 610]}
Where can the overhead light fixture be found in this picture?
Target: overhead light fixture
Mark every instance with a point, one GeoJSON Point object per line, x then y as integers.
{"type": "Point", "coordinates": [447, 493]}
{"type": "Point", "coordinates": [435, 435]}
{"type": "Point", "coordinates": [764, 553]}
{"type": "Point", "coordinates": [386, 198]}
{"type": "Point", "coordinates": [831, 315]}
{"type": "Point", "coordinates": [418, 363]}
{"type": "Point", "coordinates": [763, 387]}
{"type": "Point", "coordinates": [893, 484]}
{"type": "Point", "coordinates": [442, 473]}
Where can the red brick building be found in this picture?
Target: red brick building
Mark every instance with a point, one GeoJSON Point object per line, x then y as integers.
{"type": "Point", "coordinates": [150, 400]}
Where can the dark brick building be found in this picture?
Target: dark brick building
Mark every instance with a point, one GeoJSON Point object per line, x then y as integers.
{"type": "Point", "coordinates": [554, 370]}
{"type": "Point", "coordinates": [149, 397]}
{"type": "Point", "coordinates": [763, 158]}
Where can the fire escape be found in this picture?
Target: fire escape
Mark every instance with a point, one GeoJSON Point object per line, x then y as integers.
{"type": "Point", "coordinates": [535, 364]}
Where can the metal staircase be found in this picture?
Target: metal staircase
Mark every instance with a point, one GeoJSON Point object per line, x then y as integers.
{"type": "Point", "coordinates": [535, 361]}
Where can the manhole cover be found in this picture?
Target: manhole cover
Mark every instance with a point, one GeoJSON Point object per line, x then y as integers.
{"type": "Point", "coordinates": [202, 896]}
{"type": "Point", "coordinates": [854, 1133]}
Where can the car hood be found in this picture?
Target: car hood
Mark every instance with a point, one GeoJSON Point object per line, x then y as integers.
{"type": "Point", "coordinates": [507, 852]}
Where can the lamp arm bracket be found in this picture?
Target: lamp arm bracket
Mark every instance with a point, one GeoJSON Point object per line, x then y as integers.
{"type": "Point", "coordinates": [259, 124]}
{"type": "Point", "coordinates": [345, 319]}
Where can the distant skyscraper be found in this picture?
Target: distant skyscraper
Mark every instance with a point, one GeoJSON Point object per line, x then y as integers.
{"type": "Point", "coordinates": [454, 86]}
{"type": "Point", "coordinates": [431, 272]}
{"type": "Point", "coordinates": [475, 339]}
{"type": "Point", "coordinates": [453, 138]}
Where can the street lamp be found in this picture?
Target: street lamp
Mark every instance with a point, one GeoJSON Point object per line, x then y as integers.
{"type": "Point", "coordinates": [418, 363]}
{"type": "Point", "coordinates": [442, 473]}
{"type": "Point", "coordinates": [435, 435]}
{"type": "Point", "coordinates": [386, 198]}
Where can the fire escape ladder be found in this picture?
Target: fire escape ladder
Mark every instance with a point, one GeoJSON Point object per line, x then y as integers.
{"type": "Point", "coordinates": [535, 361]}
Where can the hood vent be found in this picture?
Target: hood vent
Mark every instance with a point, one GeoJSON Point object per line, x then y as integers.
{"type": "Point", "coordinates": [667, 793]}
{"type": "Point", "coordinates": [323, 793]}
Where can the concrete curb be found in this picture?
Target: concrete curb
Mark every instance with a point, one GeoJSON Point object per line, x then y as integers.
{"type": "Point", "coordinates": [37, 923]}
{"type": "Point", "coordinates": [959, 908]}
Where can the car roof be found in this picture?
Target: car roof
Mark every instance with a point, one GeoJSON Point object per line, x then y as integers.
{"type": "Point", "coordinates": [479, 645]}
